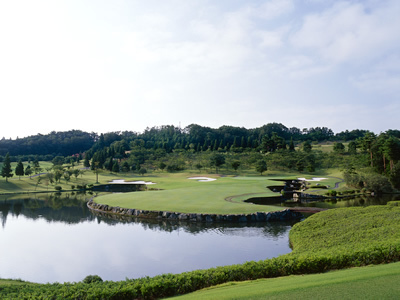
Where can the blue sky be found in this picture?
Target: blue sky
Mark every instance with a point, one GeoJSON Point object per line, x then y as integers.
{"type": "Point", "coordinates": [126, 65]}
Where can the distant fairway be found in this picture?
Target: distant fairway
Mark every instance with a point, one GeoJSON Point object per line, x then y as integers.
{"type": "Point", "coordinates": [180, 194]}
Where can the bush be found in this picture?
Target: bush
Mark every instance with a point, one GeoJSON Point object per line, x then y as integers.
{"type": "Point", "coordinates": [331, 193]}
{"type": "Point", "coordinates": [58, 188]}
{"type": "Point", "coordinates": [92, 278]}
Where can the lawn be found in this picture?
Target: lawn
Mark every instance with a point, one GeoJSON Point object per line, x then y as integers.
{"type": "Point", "coordinates": [180, 194]}
{"type": "Point", "coordinates": [371, 282]}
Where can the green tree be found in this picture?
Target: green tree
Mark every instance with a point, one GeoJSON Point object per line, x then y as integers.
{"type": "Point", "coordinates": [307, 146]}
{"type": "Point", "coordinates": [394, 176]}
{"type": "Point", "coordinates": [162, 166]}
{"type": "Point", "coordinates": [36, 166]}
{"type": "Point", "coordinates": [366, 143]}
{"type": "Point", "coordinates": [261, 166]}
{"type": "Point", "coordinates": [338, 148]}
{"type": "Point", "coordinates": [352, 147]}
{"type": "Point", "coordinates": [28, 171]}
{"type": "Point", "coordinates": [58, 160]}
{"type": "Point", "coordinates": [50, 177]}
{"type": "Point", "coordinates": [391, 149]}
{"type": "Point", "coordinates": [115, 167]}
{"type": "Point", "coordinates": [76, 173]}
{"type": "Point", "coordinates": [235, 164]}
{"type": "Point", "coordinates": [19, 169]}
{"type": "Point", "coordinates": [142, 171]}
{"type": "Point", "coordinates": [217, 160]}
{"type": "Point", "coordinates": [6, 170]}
{"type": "Point", "coordinates": [86, 162]}
{"type": "Point", "coordinates": [291, 144]}
{"type": "Point", "coordinates": [67, 176]}
{"type": "Point", "coordinates": [125, 167]}
{"type": "Point", "coordinates": [198, 166]}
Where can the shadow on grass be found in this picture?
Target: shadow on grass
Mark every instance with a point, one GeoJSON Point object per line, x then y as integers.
{"type": "Point", "coordinates": [9, 186]}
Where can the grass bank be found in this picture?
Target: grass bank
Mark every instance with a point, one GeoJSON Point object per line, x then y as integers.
{"type": "Point", "coordinates": [371, 282]}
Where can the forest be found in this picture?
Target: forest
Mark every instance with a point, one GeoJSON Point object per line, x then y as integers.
{"type": "Point", "coordinates": [364, 157]}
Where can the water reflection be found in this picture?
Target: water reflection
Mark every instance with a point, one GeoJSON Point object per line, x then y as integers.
{"type": "Point", "coordinates": [363, 200]}
{"type": "Point", "coordinates": [63, 207]}
{"type": "Point", "coordinates": [49, 238]}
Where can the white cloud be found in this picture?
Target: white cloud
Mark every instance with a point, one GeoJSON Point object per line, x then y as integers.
{"type": "Point", "coordinates": [157, 62]}
{"type": "Point", "coordinates": [274, 8]}
{"type": "Point", "coordinates": [350, 32]}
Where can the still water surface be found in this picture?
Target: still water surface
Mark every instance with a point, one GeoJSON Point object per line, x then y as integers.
{"type": "Point", "coordinates": [50, 238]}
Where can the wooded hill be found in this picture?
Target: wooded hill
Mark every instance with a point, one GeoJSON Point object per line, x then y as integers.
{"type": "Point", "coordinates": [195, 137]}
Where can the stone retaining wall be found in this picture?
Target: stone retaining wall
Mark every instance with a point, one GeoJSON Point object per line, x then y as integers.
{"type": "Point", "coordinates": [283, 215]}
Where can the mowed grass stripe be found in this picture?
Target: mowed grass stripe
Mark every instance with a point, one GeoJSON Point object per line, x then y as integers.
{"type": "Point", "coordinates": [371, 282]}
{"type": "Point", "coordinates": [190, 196]}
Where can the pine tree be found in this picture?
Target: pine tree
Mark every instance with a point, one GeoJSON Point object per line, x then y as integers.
{"type": "Point", "coordinates": [19, 170]}
{"type": "Point", "coordinates": [6, 170]}
{"type": "Point", "coordinates": [86, 162]}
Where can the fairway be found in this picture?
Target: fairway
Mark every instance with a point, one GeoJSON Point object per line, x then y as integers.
{"type": "Point", "coordinates": [179, 194]}
{"type": "Point", "coordinates": [371, 282]}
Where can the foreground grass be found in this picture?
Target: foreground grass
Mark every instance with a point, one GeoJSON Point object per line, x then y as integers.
{"type": "Point", "coordinates": [371, 282]}
{"type": "Point", "coordinates": [330, 240]}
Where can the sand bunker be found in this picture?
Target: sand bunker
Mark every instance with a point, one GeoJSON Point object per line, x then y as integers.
{"type": "Point", "coordinates": [122, 181]}
{"type": "Point", "coordinates": [313, 179]}
{"type": "Point", "coordinates": [203, 179]}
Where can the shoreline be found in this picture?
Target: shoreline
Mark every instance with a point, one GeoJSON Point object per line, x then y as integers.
{"type": "Point", "coordinates": [279, 215]}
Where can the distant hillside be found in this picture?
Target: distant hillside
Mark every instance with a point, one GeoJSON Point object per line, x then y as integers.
{"type": "Point", "coordinates": [169, 137]}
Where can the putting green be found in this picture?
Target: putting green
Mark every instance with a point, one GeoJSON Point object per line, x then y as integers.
{"type": "Point", "coordinates": [180, 194]}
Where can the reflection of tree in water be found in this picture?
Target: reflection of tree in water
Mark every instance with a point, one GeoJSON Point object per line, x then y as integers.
{"type": "Point", "coordinates": [4, 209]}
{"type": "Point", "coordinates": [363, 200]}
{"type": "Point", "coordinates": [268, 229]}
{"type": "Point", "coordinates": [63, 207]}
{"type": "Point", "coordinates": [71, 209]}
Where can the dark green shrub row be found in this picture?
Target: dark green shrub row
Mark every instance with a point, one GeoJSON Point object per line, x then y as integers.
{"type": "Point", "coordinates": [318, 187]}
{"type": "Point", "coordinates": [170, 284]}
{"type": "Point", "coordinates": [332, 193]}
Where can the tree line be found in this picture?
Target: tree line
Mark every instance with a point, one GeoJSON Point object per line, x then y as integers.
{"type": "Point", "coordinates": [170, 148]}
{"type": "Point", "coordinates": [168, 137]}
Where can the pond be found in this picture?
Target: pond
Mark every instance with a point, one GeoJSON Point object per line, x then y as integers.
{"type": "Point", "coordinates": [361, 200]}
{"type": "Point", "coordinates": [56, 238]}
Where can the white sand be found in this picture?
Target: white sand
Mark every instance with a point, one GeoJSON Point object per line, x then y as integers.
{"type": "Point", "coordinates": [122, 181]}
{"type": "Point", "coordinates": [203, 179]}
{"type": "Point", "coordinates": [313, 179]}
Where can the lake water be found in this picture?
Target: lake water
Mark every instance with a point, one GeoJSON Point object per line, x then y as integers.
{"type": "Point", "coordinates": [56, 238]}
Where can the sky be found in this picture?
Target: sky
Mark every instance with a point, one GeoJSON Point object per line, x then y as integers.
{"type": "Point", "coordinates": [102, 66]}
